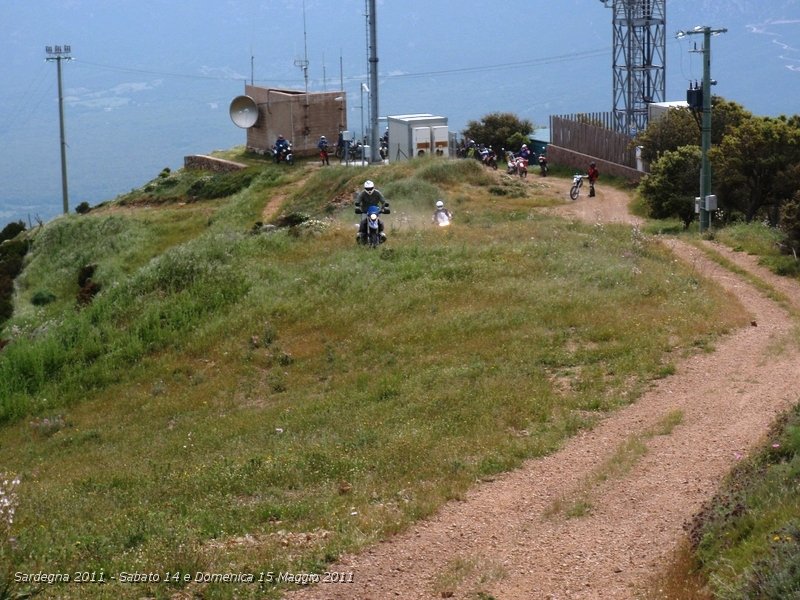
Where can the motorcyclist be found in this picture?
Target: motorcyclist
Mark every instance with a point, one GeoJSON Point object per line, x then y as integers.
{"type": "Point", "coordinates": [369, 196]}
{"type": "Point", "coordinates": [323, 150]}
{"type": "Point", "coordinates": [524, 152]}
{"type": "Point", "coordinates": [281, 147]}
{"type": "Point", "coordinates": [442, 216]}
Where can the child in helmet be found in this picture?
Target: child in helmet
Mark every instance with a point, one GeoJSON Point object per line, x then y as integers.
{"type": "Point", "coordinates": [441, 216]}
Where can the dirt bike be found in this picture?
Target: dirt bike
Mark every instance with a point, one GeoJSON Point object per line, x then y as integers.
{"type": "Point", "coordinates": [323, 155]}
{"type": "Point", "coordinates": [374, 235]}
{"type": "Point", "coordinates": [490, 160]}
{"type": "Point", "coordinates": [543, 165]}
{"type": "Point", "coordinates": [577, 182]}
{"type": "Point", "coordinates": [522, 167]}
{"type": "Point", "coordinates": [284, 155]}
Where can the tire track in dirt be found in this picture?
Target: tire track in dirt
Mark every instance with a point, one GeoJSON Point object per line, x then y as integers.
{"type": "Point", "coordinates": [502, 540]}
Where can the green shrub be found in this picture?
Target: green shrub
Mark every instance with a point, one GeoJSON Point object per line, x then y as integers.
{"type": "Point", "coordinates": [221, 185]}
{"type": "Point", "coordinates": [11, 230]}
{"type": "Point", "coordinates": [42, 297]}
{"type": "Point", "coordinates": [83, 208]}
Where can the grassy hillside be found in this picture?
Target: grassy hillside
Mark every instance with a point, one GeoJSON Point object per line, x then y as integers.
{"type": "Point", "coordinates": [236, 399]}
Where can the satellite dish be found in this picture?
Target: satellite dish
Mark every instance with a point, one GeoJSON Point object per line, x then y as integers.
{"type": "Point", "coordinates": [243, 111]}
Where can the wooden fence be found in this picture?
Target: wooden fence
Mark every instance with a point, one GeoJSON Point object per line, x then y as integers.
{"type": "Point", "coordinates": [591, 134]}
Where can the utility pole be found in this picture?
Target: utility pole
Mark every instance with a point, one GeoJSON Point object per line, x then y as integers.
{"type": "Point", "coordinates": [373, 82]}
{"type": "Point", "coordinates": [707, 202]}
{"type": "Point", "coordinates": [57, 54]}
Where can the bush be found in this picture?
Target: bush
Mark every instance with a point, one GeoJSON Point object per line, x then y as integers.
{"type": "Point", "coordinates": [221, 185]}
{"type": "Point", "coordinates": [83, 208]}
{"type": "Point", "coordinates": [11, 230]}
{"type": "Point", "coordinates": [42, 297]}
{"type": "Point", "coordinates": [790, 223]}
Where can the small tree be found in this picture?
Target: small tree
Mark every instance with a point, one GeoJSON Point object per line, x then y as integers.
{"type": "Point", "coordinates": [498, 130]}
{"type": "Point", "coordinates": [11, 230]}
{"type": "Point", "coordinates": [672, 184]}
{"type": "Point", "coordinates": [790, 223]}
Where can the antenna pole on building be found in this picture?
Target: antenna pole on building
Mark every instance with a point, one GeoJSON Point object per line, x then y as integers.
{"type": "Point", "coordinates": [58, 54]}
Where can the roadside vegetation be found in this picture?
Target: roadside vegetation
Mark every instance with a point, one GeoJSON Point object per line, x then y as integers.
{"type": "Point", "coordinates": [239, 398]}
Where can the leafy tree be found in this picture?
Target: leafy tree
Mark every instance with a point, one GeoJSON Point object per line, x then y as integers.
{"type": "Point", "coordinates": [672, 184]}
{"type": "Point", "coordinates": [11, 230]}
{"type": "Point", "coordinates": [790, 223]}
{"type": "Point", "coordinates": [681, 127]}
{"type": "Point", "coordinates": [676, 128]}
{"type": "Point", "coordinates": [755, 166]}
{"type": "Point", "coordinates": [498, 130]}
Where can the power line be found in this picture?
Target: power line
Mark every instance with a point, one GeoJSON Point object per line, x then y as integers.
{"type": "Point", "coordinates": [462, 70]}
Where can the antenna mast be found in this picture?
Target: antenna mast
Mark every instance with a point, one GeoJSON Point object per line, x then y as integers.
{"type": "Point", "coordinates": [639, 60]}
{"type": "Point", "coordinates": [303, 64]}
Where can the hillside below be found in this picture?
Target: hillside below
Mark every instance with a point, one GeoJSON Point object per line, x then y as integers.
{"type": "Point", "coordinates": [514, 537]}
{"type": "Point", "coordinates": [528, 402]}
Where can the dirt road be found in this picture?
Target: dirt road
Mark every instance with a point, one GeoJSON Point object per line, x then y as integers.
{"type": "Point", "coordinates": [502, 541]}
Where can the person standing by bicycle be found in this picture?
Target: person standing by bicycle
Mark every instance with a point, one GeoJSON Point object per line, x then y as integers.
{"type": "Point", "coordinates": [593, 174]}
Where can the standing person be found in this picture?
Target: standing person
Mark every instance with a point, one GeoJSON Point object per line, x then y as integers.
{"type": "Point", "coordinates": [369, 196]}
{"type": "Point", "coordinates": [323, 150]}
{"type": "Point", "coordinates": [593, 175]}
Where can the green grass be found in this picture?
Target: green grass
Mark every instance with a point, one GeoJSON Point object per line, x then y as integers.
{"type": "Point", "coordinates": [747, 542]}
{"type": "Point", "coordinates": [240, 402]}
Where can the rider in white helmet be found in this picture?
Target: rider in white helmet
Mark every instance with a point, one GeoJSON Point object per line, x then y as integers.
{"type": "Point", "coordinates": [441, 216]}
{"type": "Point", "coordinates": [369, 196]}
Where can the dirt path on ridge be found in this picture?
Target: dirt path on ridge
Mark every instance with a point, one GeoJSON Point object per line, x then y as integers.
{"type": "Point", "coordinates": [499, 540]}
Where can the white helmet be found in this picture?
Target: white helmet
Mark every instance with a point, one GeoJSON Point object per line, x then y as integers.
{"type": "Point", "coordinates": [439, 204]}
{"type": "Point", "coordinates": [369, 186]}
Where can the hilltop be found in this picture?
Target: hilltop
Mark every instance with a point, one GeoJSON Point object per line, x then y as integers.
{"type": "Point", "coordinates": [241, 398]}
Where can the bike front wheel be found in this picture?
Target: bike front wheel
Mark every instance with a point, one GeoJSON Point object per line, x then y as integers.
{"type": "Point", "coordinates": [574, 191]}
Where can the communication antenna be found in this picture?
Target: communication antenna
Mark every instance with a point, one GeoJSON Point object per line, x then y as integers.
{"type": "Point", "coordinates": [639, 60]}
{"type": "Point", "coordinates": [303, 64]}
{"type": "Point", "coordinates": [243, 112]}
{"type": "Point", "coordinates": [58, 54]}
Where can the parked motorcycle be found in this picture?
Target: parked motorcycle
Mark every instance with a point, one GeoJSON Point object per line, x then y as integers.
{"type": "Point", "coordinates": [577, 182]}
{"type": "Point", "coordinates": [543, 165]}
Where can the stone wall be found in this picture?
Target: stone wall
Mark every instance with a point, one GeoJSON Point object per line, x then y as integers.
{"type": "Point", "coordinates": [580, 162]}
{"type": "Point", "coordinates": [209, 163]}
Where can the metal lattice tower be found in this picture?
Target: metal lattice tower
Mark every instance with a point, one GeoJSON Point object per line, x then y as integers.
{"type": "Point", "coordinates": [639, 60]}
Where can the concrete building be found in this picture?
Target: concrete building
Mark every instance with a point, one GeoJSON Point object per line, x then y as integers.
{"type": "Point", "coordinates": [298, 116]}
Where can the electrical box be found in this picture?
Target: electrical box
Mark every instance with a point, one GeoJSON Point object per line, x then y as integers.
{"type": "Point", "coordinates": [711, 202]}
{"type": "Point", "coordinates": [697, 205]}
{"type": "Point", "coordinates": [694, 98]}
{"type": "Point", "coordinates": [421, 137]}
{"type": "Point", "coordinates": [413, 135]}
{"type": "Point", "coordinates": [441, 140]}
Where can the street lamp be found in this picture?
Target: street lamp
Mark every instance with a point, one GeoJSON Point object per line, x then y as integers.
{"type": "Point", "coordinates": [57, 54]}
